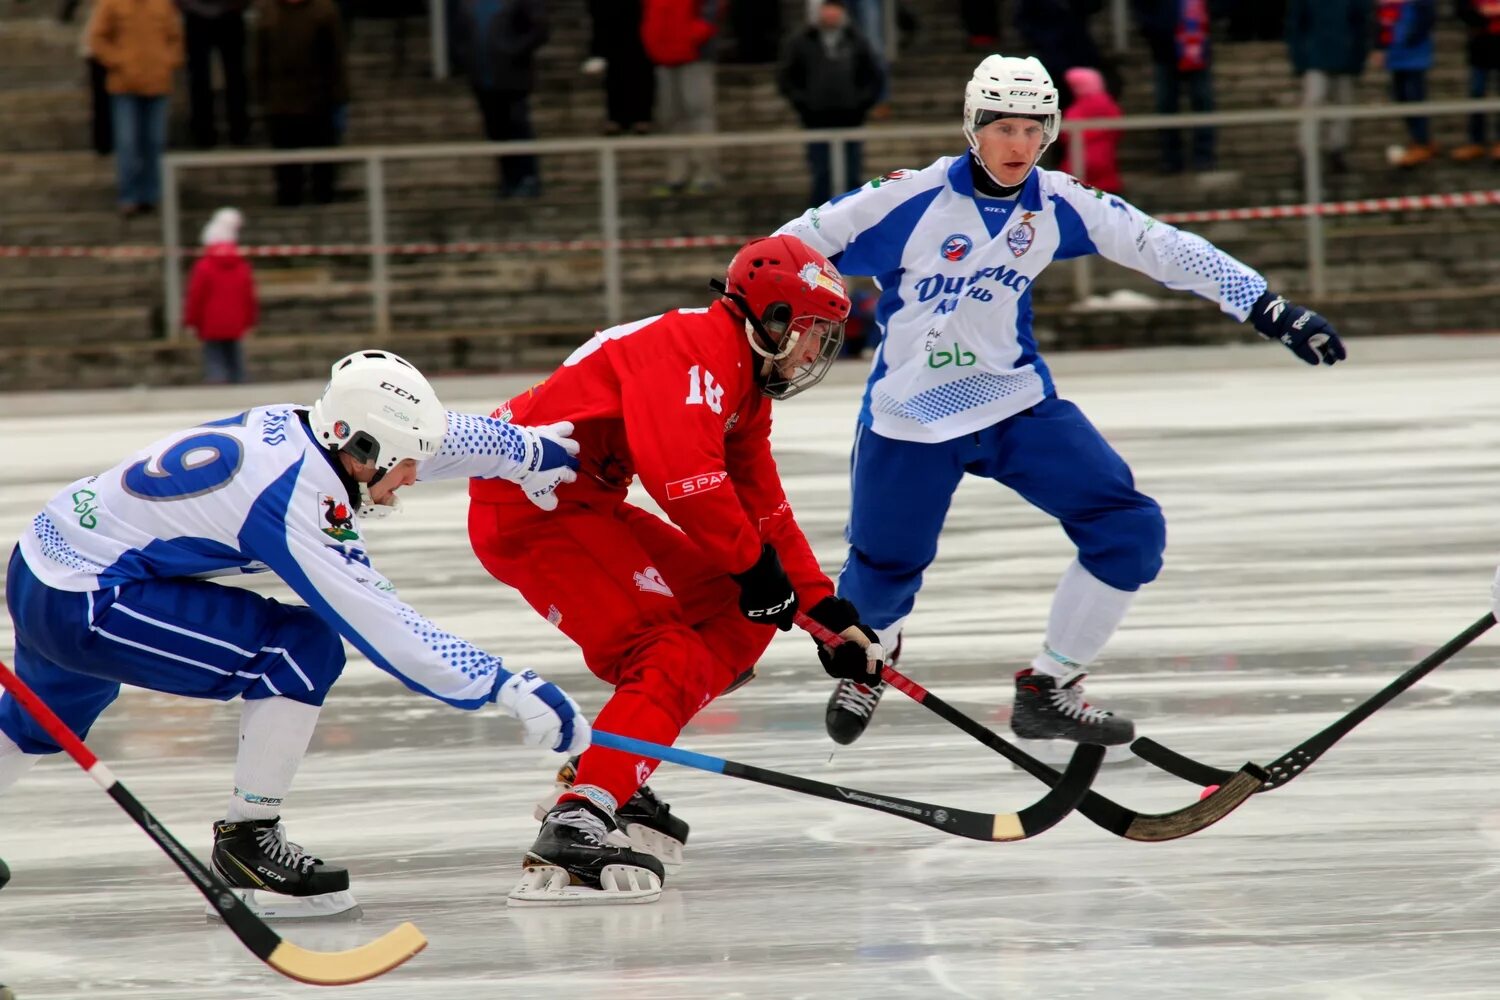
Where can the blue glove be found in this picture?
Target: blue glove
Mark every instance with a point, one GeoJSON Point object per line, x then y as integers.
{"type": "Point", "coordinates": [1305, 333]}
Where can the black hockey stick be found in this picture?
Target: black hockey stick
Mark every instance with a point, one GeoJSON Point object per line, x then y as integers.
{"type": "Point", "coordinates": [1041, 815]}
{"type": "Point", "coordinates": [319, 968]}
{"type": "Point", "coordinates": [1301, 757]}
{"type": "Point", "coordinates": [1232, 792]}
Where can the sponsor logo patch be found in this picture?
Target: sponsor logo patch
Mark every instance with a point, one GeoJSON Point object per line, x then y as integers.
{"type": "Point", "coordinates": [957, 247]}
{"type": "Point", "coordinates": [693, 485]}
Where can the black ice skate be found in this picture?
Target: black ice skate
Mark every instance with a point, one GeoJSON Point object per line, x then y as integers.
{"type": "Point", "coordinates": [276, 878]}
{"type": "Point", "coordinates": [580, 857]}
{"type": "Point", "coordinates": [645, 820]}
{"type": "Point", "coordinates": [852, 704]}
{"type": "Point", "coordinates": [1052, 708]}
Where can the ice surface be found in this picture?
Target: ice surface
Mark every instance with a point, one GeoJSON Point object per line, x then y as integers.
{"type": "Point", "coordinates": [1327, 529]}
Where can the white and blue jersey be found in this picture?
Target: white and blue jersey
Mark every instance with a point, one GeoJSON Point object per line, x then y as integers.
{"type": "Point", "coordinates": [955, 271]}
{"type": "Point", "coordinates": [247, 494]}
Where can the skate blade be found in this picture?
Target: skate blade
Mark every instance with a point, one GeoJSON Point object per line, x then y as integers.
{"type": "Point", "coordinates": [667, 850]}
{"type": "Point", "coordinates": [332, 906]}
{"type": "Point", "coordinates": [548, 885]}
{"type": "Point", "coordinates": [1059, 752]}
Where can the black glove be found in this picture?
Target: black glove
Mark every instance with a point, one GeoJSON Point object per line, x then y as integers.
{"type": "Point", "coordinates": [1306, 334]}
{"type": "Point", "coordinates": [847, 660]}
{"type": "Point", "coordinates": [767, 597]}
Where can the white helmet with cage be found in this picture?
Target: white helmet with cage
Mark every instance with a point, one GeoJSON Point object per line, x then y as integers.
{"type": "Point", "coordinates": [379, 409]}
{"type": "Point", "coordinates": [1011, 87]}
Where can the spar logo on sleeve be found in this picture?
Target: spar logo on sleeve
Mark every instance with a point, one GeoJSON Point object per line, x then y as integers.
{"type": "Point", "coordinates": [693, 485]}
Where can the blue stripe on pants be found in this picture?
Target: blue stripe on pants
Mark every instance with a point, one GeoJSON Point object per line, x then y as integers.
{"type": "Point", "coordinates": [186, 637]}
{"type": "Point", "coordinates": [1051, 455]}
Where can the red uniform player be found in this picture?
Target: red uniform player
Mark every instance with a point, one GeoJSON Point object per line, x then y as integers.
{"type": "Point", "coordinates": [671, 614]}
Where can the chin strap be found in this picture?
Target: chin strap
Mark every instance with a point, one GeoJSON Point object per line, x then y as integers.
{"type": "Point", "coordinates": [368, 508]}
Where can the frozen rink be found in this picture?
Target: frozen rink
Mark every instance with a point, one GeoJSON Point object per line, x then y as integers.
{"type": "Point", "coordinates": [1326, 530]}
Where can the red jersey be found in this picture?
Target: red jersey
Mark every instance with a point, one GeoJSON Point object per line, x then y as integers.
{"type": "Point", "coordinates": [673, 400]}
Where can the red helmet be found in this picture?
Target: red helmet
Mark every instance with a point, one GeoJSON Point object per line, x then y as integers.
{"type": "Point", "coordinates": [789, 294]}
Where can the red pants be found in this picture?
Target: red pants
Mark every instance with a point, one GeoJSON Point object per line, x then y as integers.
{"type": "Point", "coordinates": [637, 596]}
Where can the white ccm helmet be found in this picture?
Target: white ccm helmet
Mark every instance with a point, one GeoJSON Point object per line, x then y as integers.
{"type": "Point", "coordinates": [1009, 86]}
{"type": "Point", "coordinates": [379, 409]}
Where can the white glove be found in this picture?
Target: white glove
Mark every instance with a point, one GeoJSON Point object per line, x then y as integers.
{"type": "Point", "coordinates": [551, 719]}
{"type": "Point", "coordinates": [593, 66]}
{"type": "Point", "coordinates": [549, 462]}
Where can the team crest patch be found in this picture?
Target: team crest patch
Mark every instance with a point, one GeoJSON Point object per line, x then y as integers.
{"type": "Point", "coordinates": [957, 247]}
{"type": "Point", "coordinates": [338, 519]}
{"type": "Point", "coordinates": [1019, 237]}
{"type": "Point", "coordinates": [649, 580]}
{"type": "Point", "coordinates": [890, 178]}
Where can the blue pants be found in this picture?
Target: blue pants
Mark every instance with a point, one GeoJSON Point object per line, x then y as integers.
{"type": "Point", "coordinates": [140, 125]}
{"type": "Point", "coordinates": [186, 637]}
{"type": "Point", "coordinates": [1050, 454]}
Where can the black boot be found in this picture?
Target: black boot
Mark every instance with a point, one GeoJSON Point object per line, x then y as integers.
{"type": "Point", "coordinates": [578, 858]}
{"type": "Point", "coordinates": [645, 820]}
{"type": "Point", "coordinates": [852, 704]}
{"type": "Point", "coordinates": [1052, 708]}
{"type": "Point", "coordinates": [255, 854]}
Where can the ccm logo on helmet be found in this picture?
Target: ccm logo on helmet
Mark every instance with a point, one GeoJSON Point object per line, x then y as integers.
{"type": "Point", "coordinates": [399, 391]}
{"type": "Point", "coordinates": [693, 485]}
{"type": "Point", "coordinates": [1025, 93]}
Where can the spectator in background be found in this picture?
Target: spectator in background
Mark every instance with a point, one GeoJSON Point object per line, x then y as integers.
{"type": "Point", "coordinates": [1329, 41]}
{"type": "Point", "coordinates": [1058, 31]}
{"type": "Point", "coordinates": [615, 50]}
{"type": "Point", "coordinates": [680, 38]}
{"type": "Point", "coordinates": [1177, 33]}
{"type": "Point", "coordinates": [1091, 99]}
{"type": "Point", "coordinates": [1404, 44]}
{"type": "Point", "coordinates": [303, 80]}
{"type": "Point", "coordinates": [139, 42]}
{"type": "Point", "coordinates": [497, 46]}
{"type": "Point", "coordinates": [221, 308]}
{"type": "Point", "coordinates": [1256, 20]}
{"type": "Point", "coordinates": [861, 332]}
{"type": "Point", "coordinates": [101, 129]}
{"type": "Point", "coordinates": [981, 20]}
{"type": "Point", "coordinates": [757, 31]}
{"type": "Point", "coordinates": [1482, 17]}
{"type": "Point", "coordinates": [210, 25]}
{"type": "Point", "coordinates": [832, 78]}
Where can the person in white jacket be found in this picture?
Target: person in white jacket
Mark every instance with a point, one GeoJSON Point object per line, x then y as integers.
{"type": "Point", "coordinates": [958, 387]}
{"type": "Point", "coordinates": [109, 586]}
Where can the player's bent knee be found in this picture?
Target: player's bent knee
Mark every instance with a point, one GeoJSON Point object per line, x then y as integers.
{"type": "Point", "coordinates": [678, 671]}
{"type": "Point", "coordinates": [304, 661]}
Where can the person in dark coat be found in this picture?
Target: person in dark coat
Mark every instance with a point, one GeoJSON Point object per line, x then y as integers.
{"type": "Point", "coordinates": [1482, 18]}
{"type": "Point", "coordinates": [210, 25]}
{"type": "Point", "coordinates": [832, 78]}
{"type": "Point", "coordinates": [1177, 33]}
{"type": "Point", "coordinates": [616, 50]}
{"type": "Point", "coordinates": [1058, 31]}
{"type": "Point", "coordinates": [1329, 41]}
{"type": "Point", "coordinates": [497, 42]}
{"type": "Point", "coordinates": [303, 80]}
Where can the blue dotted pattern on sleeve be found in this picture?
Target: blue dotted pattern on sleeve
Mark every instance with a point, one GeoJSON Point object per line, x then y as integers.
{"type": "Point", "coordinates": [56, 547]}
{"type": "Point", "coordinates": [473, 662]}
{"type": "Point", "coordinates": [1239, 287]}
{"type": "Point", "coordinates": [951, 398]}
{"type": "Point", "coordinates": [469, 434]}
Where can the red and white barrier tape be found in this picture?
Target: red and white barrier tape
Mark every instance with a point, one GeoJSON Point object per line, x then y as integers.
{"type": "Point", "coordinates": [1365, 206]}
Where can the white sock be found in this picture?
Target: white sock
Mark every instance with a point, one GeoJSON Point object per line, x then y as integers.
{"type": "Point", "coordinates": [14, 762]}
{"type": "Point", "coordinates": [1085, 613]}
{"type": "Point", "coordinates": [274, 733]}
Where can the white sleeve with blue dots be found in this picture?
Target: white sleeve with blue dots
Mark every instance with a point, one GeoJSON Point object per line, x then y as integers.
{"type": "Point", "coordinates": [477, 447]}
{"type": "Point", "coordinates": [1180, 260]}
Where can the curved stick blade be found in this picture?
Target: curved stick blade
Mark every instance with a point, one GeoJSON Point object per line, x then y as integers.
{"type": "Point", "coordinates": [1064, 796]}
{"type": "Point", "coordinates": [1233, 793]}
{"type": "Point", "coordinates": [340, 968]}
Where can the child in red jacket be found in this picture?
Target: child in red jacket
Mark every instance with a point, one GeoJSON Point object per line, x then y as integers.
{"type": "Point", "coordinates": [1092, 100]}
{"type": "Point", "coordinates": [221, 308]}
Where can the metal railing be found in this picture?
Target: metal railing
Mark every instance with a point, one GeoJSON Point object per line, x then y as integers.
{"type": "Point", "coordinates": [608, 151]}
